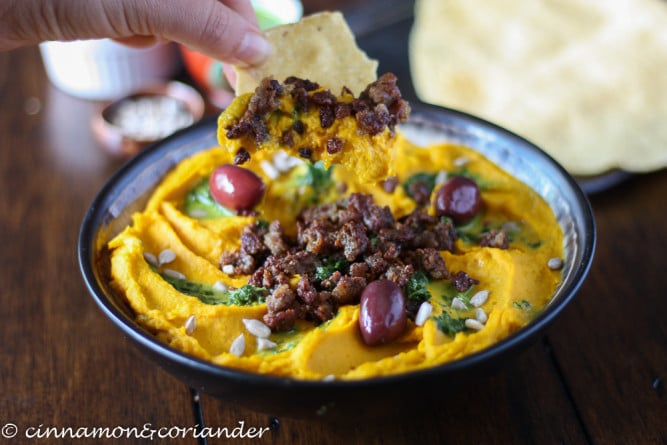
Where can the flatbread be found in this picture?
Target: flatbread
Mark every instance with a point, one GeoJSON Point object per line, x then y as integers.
{"type": "Point", "coordinates": [320, 48]}
{"type": "Point", "coordinates": [583, 79]}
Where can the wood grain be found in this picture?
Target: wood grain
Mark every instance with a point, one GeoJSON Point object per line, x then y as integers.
{"type": "Point", "coordinates": [597, 376]}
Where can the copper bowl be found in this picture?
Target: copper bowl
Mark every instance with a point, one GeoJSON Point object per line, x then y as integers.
{"type": "Point", "coordinates": [176, 104]}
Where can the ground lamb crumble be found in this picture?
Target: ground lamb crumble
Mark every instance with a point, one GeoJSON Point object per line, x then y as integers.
{"type": "Point", "coordinates": [340, 248]}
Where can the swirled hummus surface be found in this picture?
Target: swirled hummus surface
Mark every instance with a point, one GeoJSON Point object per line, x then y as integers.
{"type": "Point", "coordinates": [183, 264]}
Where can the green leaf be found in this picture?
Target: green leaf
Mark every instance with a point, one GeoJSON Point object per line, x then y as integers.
{"type": "Point", "coordinates": [329, 266]}
{"type": "Point", "coordinates": [317, 178]}
{"type": "Point", "coordinates": [206, 294]}
{"type": "Point", "coordinates": [449, 325]}
{"type": "Point", "coordinates": [247, 295]}
{"type": "Point", "coordinates": [415, 289]}
{"type": "Point", "coordinates": [199, 203]}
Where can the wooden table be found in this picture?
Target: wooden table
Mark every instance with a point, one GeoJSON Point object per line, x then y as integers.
{"type": "Point", "coordinates": [597, 376]}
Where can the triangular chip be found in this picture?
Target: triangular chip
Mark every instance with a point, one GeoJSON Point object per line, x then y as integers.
{"type": "Point", "coordinates": [320, 48]}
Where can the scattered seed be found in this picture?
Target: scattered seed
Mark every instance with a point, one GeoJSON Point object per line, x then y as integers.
{"type": "Point", "coordinates": [269, 169]}
{"type": "Point", "coordinates": [461, 161]}
{"type": "Point", "coordinates": [481, 316]}
{"type": "Point", "coordinates": [166, 256]}
{"type": "Point", "coordinates": [423, 313]}
{"type": "Point", "coordinates": [555, 263]}
{"type": "Point", "coordinates": [198, 213]}
{"type": "Point", "coordinates": [471, 323]}
{"type": "Point", "coordinates": [459, 304]}
{"type": "Point", "coordinates": [284, 162]}
{"type": "Point", "coordinates": [220, 286]}
{"type": "Point", "coordinates": [228, 269]}
{"type": "Point", "coordinates": [238, 346]}
{"type": "Point", "coordinates": [441, 177]}
{"type": "Point", "coordinates": [479, 298]}
{"type": "Point", "coordinates": [190, 325]}
{"type": "Point", "coordinates": [151, 259]}
{"type": "Point", "coordinates": [171, 273]}
{"type": "Point", "coordinates": [511, 226]}
{"type": "Point", "coordinates": [257, 328]}
{"type": "Point", "coordinates": [265, 343]}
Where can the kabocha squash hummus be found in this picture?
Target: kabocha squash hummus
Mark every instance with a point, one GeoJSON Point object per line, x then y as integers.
{"type": "Point", "coordinates": [326, 270]}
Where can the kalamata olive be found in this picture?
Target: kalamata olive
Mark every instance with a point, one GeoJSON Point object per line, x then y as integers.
{"type": "Point", "coordinates": [458, 198]}
{"type": "Point", "coordinates": [236, 188]}
{"type": "Point", "coordinates": [382, 314]}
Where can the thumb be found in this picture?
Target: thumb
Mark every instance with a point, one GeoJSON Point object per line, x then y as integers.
{"type": "Point", "coordinates": [212, 28]}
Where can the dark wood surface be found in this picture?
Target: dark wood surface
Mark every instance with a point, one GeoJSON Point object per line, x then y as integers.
{"type": "Point", "coordinates": [597, 376]}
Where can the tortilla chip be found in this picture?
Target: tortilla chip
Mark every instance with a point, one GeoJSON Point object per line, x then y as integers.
{"type": "Point", "coordinates": [320, 48]}
{"type": "Point", "coordinates": [584, 80]}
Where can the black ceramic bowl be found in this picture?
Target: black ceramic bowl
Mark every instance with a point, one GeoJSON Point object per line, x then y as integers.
{"type": "Point", "coordinates": [127, 191]}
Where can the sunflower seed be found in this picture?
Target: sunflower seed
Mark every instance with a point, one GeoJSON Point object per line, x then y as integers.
{"type": "Point", "coordinates": [190, 325]}
{"type": "Point", "coordinates": [151, 259]}
{"type": "Point", "coordinates": [458, 303]}
{"type": "Point", "coordinates": [166, 256]}
{"type": "Point", "coordinates": [265, 343]}
{"type": "Point", "coordinates": [269, 169]}
{"type": "Point", "coordinates": [441, 177]}
{"type": "Point", "coordinates": [555, 263]}
{"type": "Point", "coordinates": [479, 298]}
{"type": "Point", "coordinates": [481, 316]}
{"type": "Point", "coordinates": [423, 313]}
{"type": "Point", "coordinates": [461, 161]}
{"type": "Point", "coordinates": [171, 273]}
{"type": "Point", "coordinates": [284, 162]}
{"type": "Point", "coordinates": [471, 323]}
{"type": "Point", "coordinates": [220, 286]}
{"type": "Point", "coordinates": [257, 328]}
{"type": "Point", "coordinates": [238, 346]}
{"type": "Point", "coordinates": [198, 213]}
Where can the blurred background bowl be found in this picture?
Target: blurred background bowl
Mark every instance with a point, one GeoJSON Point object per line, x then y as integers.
{"type": "Point", "coordinates": [128, 190]}
{"type": "Point", "coordinates": [127, 125]}
{"type": "Point", "coordinates": [104, 69]}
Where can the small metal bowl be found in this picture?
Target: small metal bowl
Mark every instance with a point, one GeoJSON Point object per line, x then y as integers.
{"type": "Point", "coordinates": [129, 124]}
{"type": "Point", "coordinates": [128, 190]}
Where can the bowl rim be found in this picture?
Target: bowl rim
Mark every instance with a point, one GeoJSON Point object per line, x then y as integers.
{"type": "Point", "coordinates": [93, 218]}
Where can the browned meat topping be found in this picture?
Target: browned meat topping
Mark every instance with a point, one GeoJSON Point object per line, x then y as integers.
{"type": "Point", "coordinates": [242, 156]}
{"type": "Point", "coordinates": [265, 100]}
{"type": "Point", "coordinates": [338, 249]}
{"type": "Point", "coordinates": [334, 145]}
{"type": "Point", "coordinates": [389, 185]}
{"type": "Point", "coordinates": [462, 281]}
{"type": "Point", "coordinates": [495, 238]}
{"type": "Point", "coordinates": [378, 107]}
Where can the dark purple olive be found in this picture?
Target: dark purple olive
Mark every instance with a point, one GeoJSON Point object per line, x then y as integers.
{"type": "Point", "coordinates": [235, 187]}
{"type": "Point", "coordinates": [459, 198]}
{"type": "Point", "coordinates": [382, 315]}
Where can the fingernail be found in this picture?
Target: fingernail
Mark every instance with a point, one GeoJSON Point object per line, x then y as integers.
{"type": "Point", "coordinates": [254, 49]}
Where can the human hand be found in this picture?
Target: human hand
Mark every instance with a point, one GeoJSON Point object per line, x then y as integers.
{"type": "Point", "coordinates": [226, 30]}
